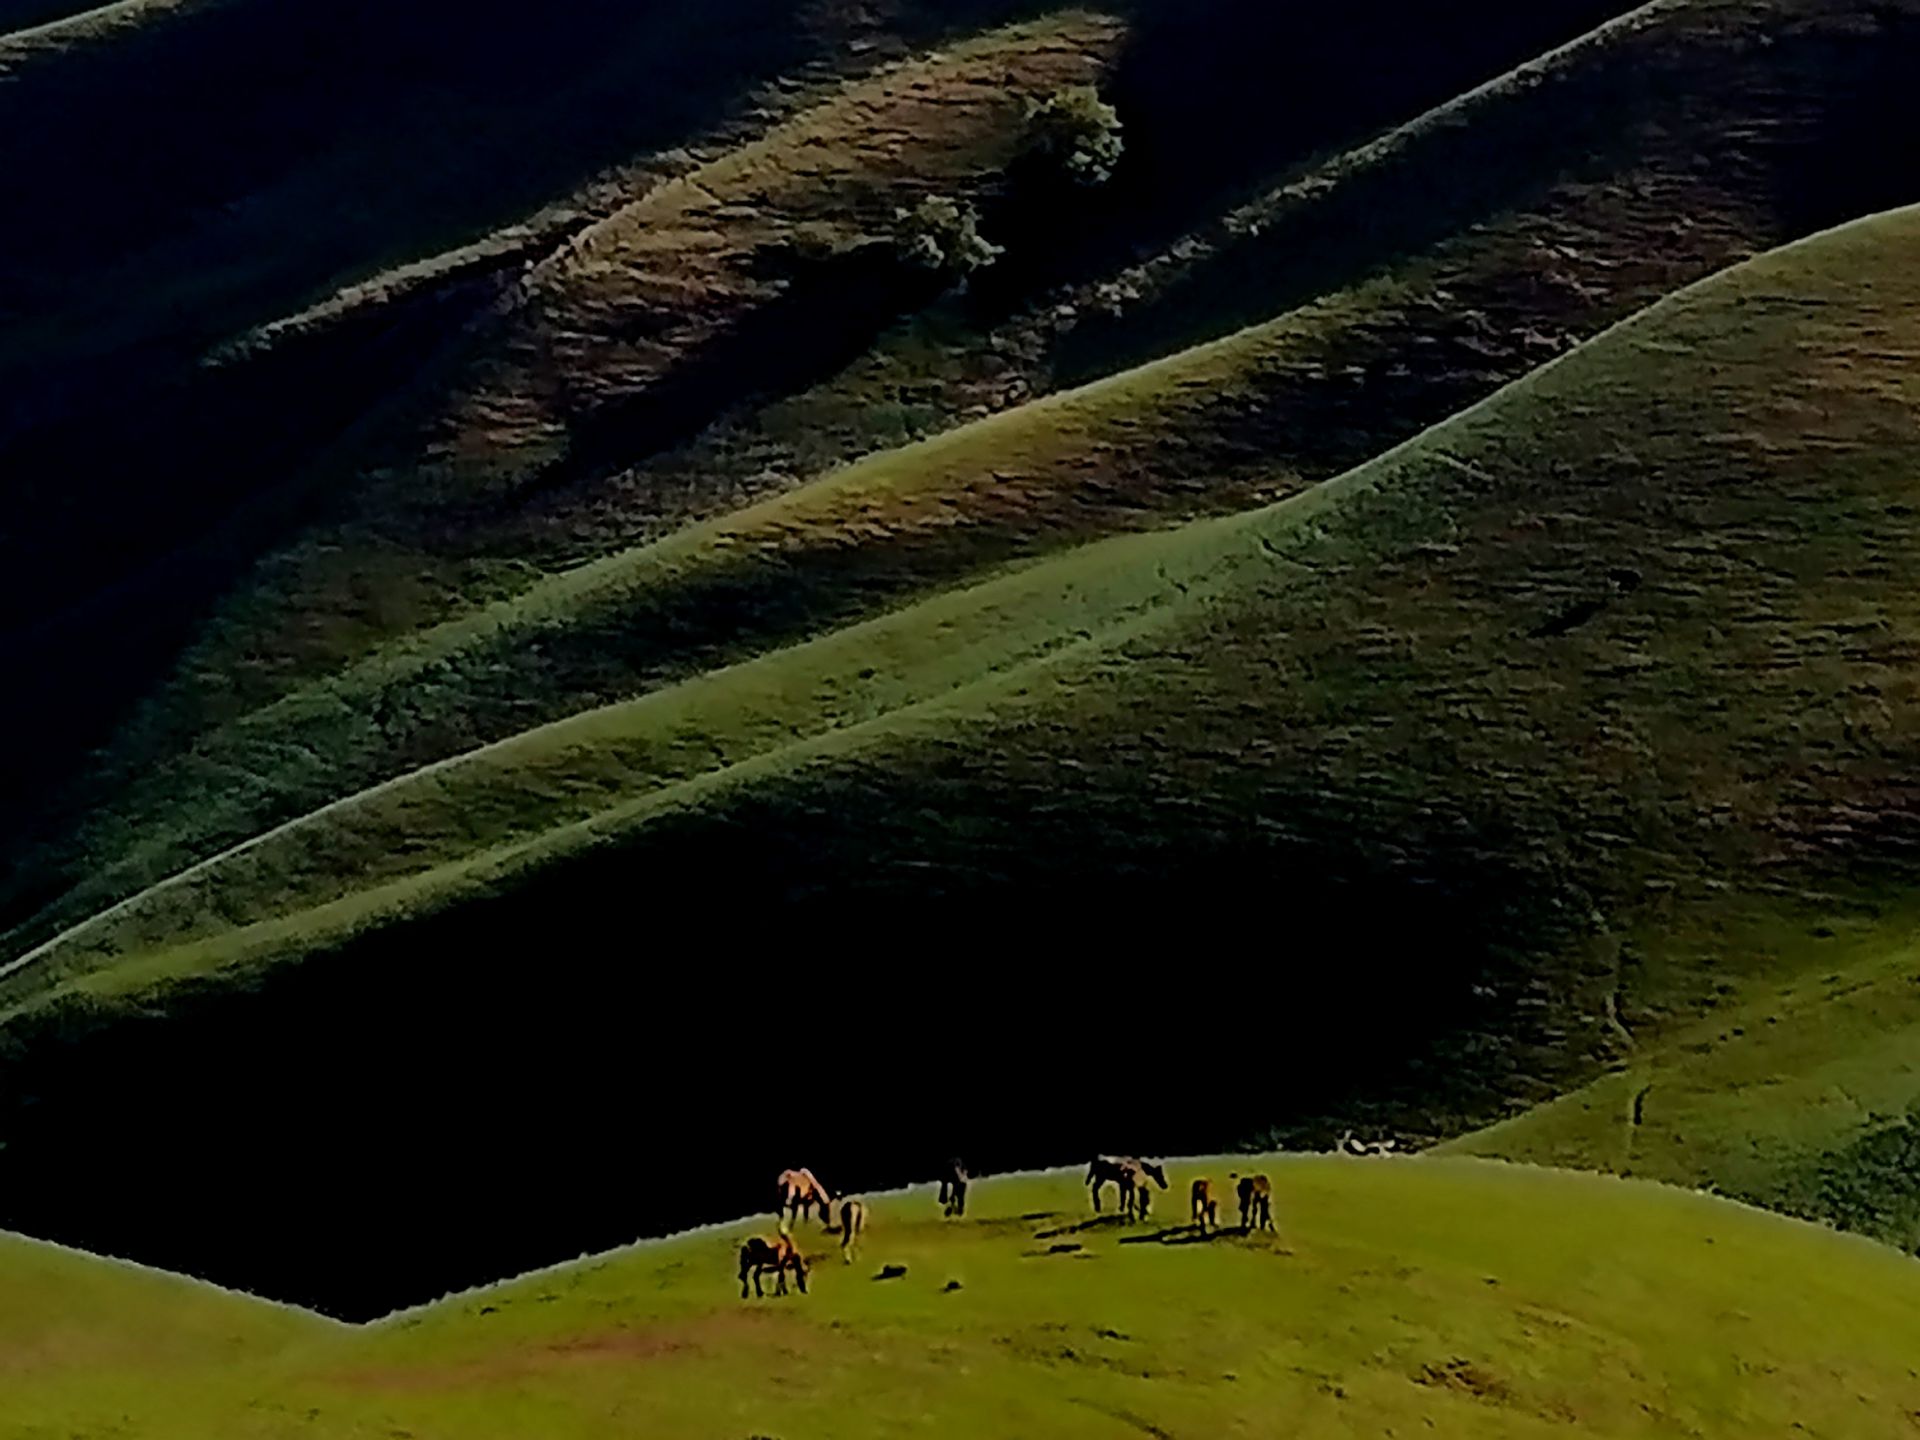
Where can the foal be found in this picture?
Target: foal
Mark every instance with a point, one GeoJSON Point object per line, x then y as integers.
{"type": "Point", "coordinates": [1206, 1205]}
{"type": "Point", "coordinates": [853, 1225]}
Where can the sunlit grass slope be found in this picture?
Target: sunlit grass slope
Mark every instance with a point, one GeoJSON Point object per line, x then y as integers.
{"type": "Point", "coordinates": [1446, 1298]}
{"type": "Point", "coordinates": [1805, 1098]}
{"type": "Point", "coordinates": [96, 1347]}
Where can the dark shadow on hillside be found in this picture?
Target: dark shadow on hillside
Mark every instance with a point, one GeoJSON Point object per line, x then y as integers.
{"type": "Point", "coordinates": [1183, 1235]}
{"type": "Point", "coordinates": [1099, 1222]}
{"type": "Point", "coordinates": [440, 1103]}
{"type": "Point", "coordinates": [829, 313]}
{"type": "Point", "coordinates": [1221, 96]}
{"type": "Point", "coordinates": [1866, 150]}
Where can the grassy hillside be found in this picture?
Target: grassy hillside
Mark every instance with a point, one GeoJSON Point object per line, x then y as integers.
{"type": "Point", "coordinates": [1610, 204]}
{"type": "Point", "coordinates": [173, 493]}
{"type": "Point", "coordinates": [1508, 721]}
{"type": "Point", "coordinates": [1443, 1298]}
{"type": "Point", "coordinates": [1805, 1098]}
{"type": "Point", "coordinates": [97, 1347]}
{"type": "Point", "coordinates": [631, 328]}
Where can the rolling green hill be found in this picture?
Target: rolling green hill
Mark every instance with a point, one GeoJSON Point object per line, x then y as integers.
{"type": "Point", "coordinates": [1442, 1298]}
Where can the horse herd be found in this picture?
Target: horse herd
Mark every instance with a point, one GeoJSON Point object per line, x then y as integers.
{"type": "Point", "coordinates": [801, 1194]}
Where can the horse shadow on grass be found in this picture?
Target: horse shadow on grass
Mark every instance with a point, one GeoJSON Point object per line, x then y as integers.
{"type": "Point", "coordinates": [1184, 1235]}
{"type": "Point", "coordinates": [1098, 1222]}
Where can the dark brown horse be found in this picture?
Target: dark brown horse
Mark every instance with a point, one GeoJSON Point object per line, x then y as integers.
{"type": "Point", "coordinates": [777, 1253]}
{"type": "Point", "coordinates": [1255, 1193]}
{"type": "Point", "coordinates": [953, 1189]}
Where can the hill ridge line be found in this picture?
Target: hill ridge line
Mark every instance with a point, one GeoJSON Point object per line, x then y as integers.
{"type": "Point", "coordinates": [100, 22]}
{"type": "Point", "coordinates": [498, 859]}
{"type": "Point", "coordinates": [718, 1227]}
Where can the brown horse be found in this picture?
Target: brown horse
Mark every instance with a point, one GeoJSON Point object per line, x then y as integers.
{"type": "Point", "coordinates": [777, 1253]}
{"type": "Point", "coordinates": [799, 1193]}
{"type": "Point", "coordinates": [1206, 1205]}
{"type": "Point", "coordinates": [853, 1225]}
{"type": "Point", "coordinates": [1256, 1203]}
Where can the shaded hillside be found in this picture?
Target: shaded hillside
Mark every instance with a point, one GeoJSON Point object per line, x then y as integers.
{"type": "Point", "coordinates": [145, 480]}
{"type": "Point", "coordinates": [344, 137]}
{"type": "Point", "coordinates": [1655, 151]}
{"type": "Point", "coordinates": [635, 326]}
{"type": "Point", "coordinates": [1448, 1298]}
{"type": "Point", "coordinates": [344, 140]}
{"type": "Point", "coordinates": [1596, 658]}
{"type": "Point", "coordinates": [249, 437]}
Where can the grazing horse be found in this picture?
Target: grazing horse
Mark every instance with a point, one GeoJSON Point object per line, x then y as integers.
{"type": "Point", "coordinates": [1206, 1205]}
{"type": "Point", "coordinates": [1136, 1196]}
{"type": "Point", "coordinates": [1127, 1176]}
{"type": "Point", "coordinates": [853, 1225]}
{"type": "Point", "coordinates": [777, 1253]}
{"type": "Point", "coordinates": [799, 1193]}
{"type": "Point", "coordinates": [1256, 1203]}
{"type": "Point", "coordinates": [953, 1189]}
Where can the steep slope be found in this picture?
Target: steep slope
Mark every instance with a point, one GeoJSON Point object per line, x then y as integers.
{"type": "Point", "coordinates": [637, 325]}
{"type": "Point", "coordinates": [1657, 150]}
{"type": "Point", "coordinates": [1446, 1298]}
{"type": "Point", "coordinates": [1604, 657]}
